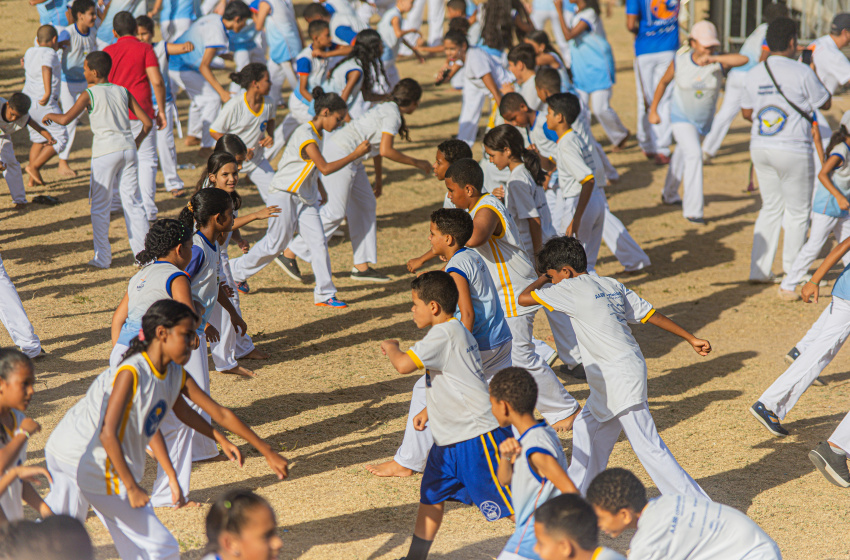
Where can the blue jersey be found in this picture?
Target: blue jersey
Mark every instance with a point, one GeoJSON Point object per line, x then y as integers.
{"type": "Point", "coordinates": [104, 32]}
{"type": "Point", "coordinates": [52, 12]}
{"type": "Point", "coordinates": [489, 328]}
{"type": "Point", "coordinates": [245, 40]}
{"type": "Point", "coordinates": [74, 55]}
{"type": "Point", "coordinates": [207, 32]}
{"type": "Point", "coordinates": [658, 21]}
{"type": "Point", "coordinates": [179, 9]}
{"type": "Point", "coordinates": [282, 31]}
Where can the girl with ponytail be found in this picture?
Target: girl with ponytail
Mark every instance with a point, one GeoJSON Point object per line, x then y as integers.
{"type": "Point", "coordinates": [103, 437]}
{"type": "Point", "coordinates": [358, 77]}
{"type": "Point", "coordinates": [523, 192]}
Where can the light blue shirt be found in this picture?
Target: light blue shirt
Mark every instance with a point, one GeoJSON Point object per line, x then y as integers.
{"type": "Point", "coordinates": [52, 13]}
{"type": "Point", "coordinates": [824, 202]}
{"type": "Point", "coordinates": [282, 31]}
{"type": "Point", "coordinates": [179, 9]}
{"type": "Point", "coordinates": [207, 32]}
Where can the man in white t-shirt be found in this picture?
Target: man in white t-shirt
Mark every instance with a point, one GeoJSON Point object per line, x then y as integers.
{"type": "Point", "coordinates": [781, 147]}
{"type": "Point", "coordinates": [675, 527]}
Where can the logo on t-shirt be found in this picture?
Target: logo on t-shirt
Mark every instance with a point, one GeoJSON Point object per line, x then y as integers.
{"type": "Point", "coordinates": [491, 510]}
{"type": "Point", "coordinates": [664, 9]}
{"type": "Point", "coordinates": [154, 418]}
{"type": "Point", "coordinates": [771, 120]}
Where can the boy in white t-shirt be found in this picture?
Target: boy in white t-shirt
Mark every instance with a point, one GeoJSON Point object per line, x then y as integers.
{"type": "Point", "coordinates": [675, 527]}
{"type": "Point", "coordinates": [566, 529]}
{"type": "Point", "coordinates": [14, 116]}
{"type": "Point", "coordinates": [466, 434]}
{"type": "Point", "coordinates": [393, 37]}
{"type": "Point", "coordinates": [600, 310]}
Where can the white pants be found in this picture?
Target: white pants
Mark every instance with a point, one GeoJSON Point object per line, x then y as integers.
{"type": "Point", "coordinates": [413, 451]}
{"type": "Point", "coordinates": [593, 442]}
{"type": "Point", "coordinates": [649, 69]}
{"type": "Point", "coordinates": [471, 105]}
{"type": "Point", "coordinates": [841, 435]}
{"type": "Point", "coordinates": [610, 172]}
{"type": "Point", "coordinates": [231, 346]}
{"type": "Point", "coordinates": [822, 226]}
{"type": "Point", "coordinates": [167, 151]}
{"type": "Point", "coordinates": [393, 77]}
{"type": "Point", "coordinates": [198, 367]}
{"type": "Point", "coordinates": [147, 169]}
{"type": "Point", "coordinates": [350, 197]}
{"type": "Point", "coordinates": [540, 17]}
{"type": "Point", "coordinates": [15, 319]}
{"type": "Point", "coordinates": [120, 167]}
{"type": "Point", "coordinates": [622, 244]}
{"type": "Point", "coordinates": [785, 186]}
{"type": "Point", "coordinates": [685, 168]}
{"type": "Point", "coordinates": [59, 132]}
{"type": "Point", "coordinates": [13, 174]}
{"type": "Point", "coordinates": [824, 340]}
{"type": "Point", "coordinates": [565, 339]}
{"type": "Point", "coordinates": [299, 113]}
{"type": "Point", "coordinates": [205, 104]}
{"type": "Point", "coordinates": [136, 532]}
{"type": "Point", "coordinates": [179, 440]}
{"type": "Point", "coordinates": [280, 72]}
{"type": "Point", "coordinates": [172, 29]}
{"type": "Point", "coordinates": [592, 222]}
{"type": "Point", "coordinates": [294, 216]}
{"type": "Point", "coordinates": [729, 109]}
{"type": "Point", "coordinates": [600, 101]}
{"type": "Point", "coordinates": [68, 95]}
{"type": "Point", "coordinates": [413, 20]}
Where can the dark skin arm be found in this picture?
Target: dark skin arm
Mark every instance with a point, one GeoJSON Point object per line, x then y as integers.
{"type": "Point", "coordinates": [486, 224]}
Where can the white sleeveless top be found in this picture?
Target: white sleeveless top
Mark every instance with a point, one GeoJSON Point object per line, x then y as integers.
{"type": "Point", "coordinates": [148, 286]}
{"type": "Point", "coordinates": [204, 281]}
{"type": "Point", "coordinates": [11, 501]}
{"type": "Point", "coordinates": [110, 119]}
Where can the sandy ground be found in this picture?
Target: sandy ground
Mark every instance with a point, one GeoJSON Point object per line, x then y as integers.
{"type": "Point", "coordinates": [329, 401]}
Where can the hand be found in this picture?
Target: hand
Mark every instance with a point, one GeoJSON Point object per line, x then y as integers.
{"type": "Point", "coordinates": [424, 166]}
{"type": "Point", "coordinates": [387, 344]}
{"type": "Point", "coordinates": [654, 118]}
{"type": "Point", "coordinates": [533, 148]}
{"type": "Point", "coordinates": [178, 500]}
{"type": "Point", "coordinates": [161, 121]}
{"type": "Point", "coordinates": [30, 425]}
{"type": "Point", "coordinates": [137, 497]}
{"type": "Point", "coordinates": [211, 332]}
{"type": "Point", "coordinates": [242, 244]}
{"type": "Point", "coordinates": [188, 47]}
{"type": "Point", "coordinates": [249, 155]}
{"type": "Point", "coordinates": [572, 229]}
{"type": "Point", "coordinates": [377, 189]}
{"type": "Point", "coordinates": [414, 264]}
{"type": "Point", "coordinates": [239, 324]}
{"type": "Point", "coordinates": [507, 88]}
{"type": "Point", "coordinates": [227, 289]}
{"type": "Point", "coordinates": [231, 451]}
{"type": "Point", "coordinates": [43, 101]}
{"type": "Point", "coordinates": [810, 290]}
{"type": "Point", "coordinates": [702, 347]}
{"type": "Point", "coordinates": [843, 203]}
{"type": "Point", "coordinates": [510, 449]}
{"type": "Point", "coordinates": [49, 137]}
{"type": "Point", "coordinates": [278, 464]}
{"type": "Point", "coordinates": [267, 213]}
{"type": "Point", "coordinates": [266, 142]}
{"type": "Point", "coordinates": [420, 420]}
{"type": "Point", "coordinates": [499, 192]}
{"type": "Point", "coordinates": [364, 148]}
{"type": "Point", "coordinates": [31, 471]}
{"type": "Point", "coordinates": [47, 119]}
{"type": "Point", "coordinates": [225, 96]}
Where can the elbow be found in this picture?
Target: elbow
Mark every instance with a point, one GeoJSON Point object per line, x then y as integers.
{"type": "Point", "coordinates": [827, 105]}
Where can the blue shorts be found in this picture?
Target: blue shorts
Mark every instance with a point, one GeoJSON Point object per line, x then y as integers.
{"type": "Point", "coordinates": [466, 472]}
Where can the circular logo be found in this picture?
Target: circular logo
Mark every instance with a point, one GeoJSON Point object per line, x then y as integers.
{"type": "Point", "coordinates": [491, 510]}
{"type": "Point", "coordinates": [154, 418]}
{"type": "Point", "coordinates": [699, 94]}
{"type": "Point", "coordinates": [664, 9]}
{"type": "Point", "coordinates": [771, 120]}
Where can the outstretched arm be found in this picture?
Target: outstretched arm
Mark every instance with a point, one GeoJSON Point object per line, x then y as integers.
{"type": "Point", "coordinates": [401, 361]}
{"type": "Point", "coordinates": [311, 152]}
{"type": "Point", "coordinates": [525, 299]}
{"type": "Point", "coordinates": [388, 151]}
{"type": "Point", "coordinates": [75, 111]}
{"type": "Point", "coordinates": [702, 347]}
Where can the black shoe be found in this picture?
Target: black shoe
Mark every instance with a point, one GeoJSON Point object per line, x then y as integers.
{"type": "Point", "coordinates": [792, 355]}
{"type": "Point", "coordinates": [577, 372]}
{"type": "Point", "coordinates": [290, 267]}
{"type": "Point", "coordinates": [700, 221]}
{"type": "Point", "coordinates": [768, 419]}
{"type": "Point", "coordinates": [831, 465]}
{"type": "Point", "coordinates": [368, 275]}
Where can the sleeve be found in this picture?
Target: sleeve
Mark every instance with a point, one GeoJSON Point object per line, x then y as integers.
{"type": "Point", "coordinates": [345, 34]}
{"type": "Point", "coordinates": [570, 161]}
{"type": "Point", "coordinates": [303, 65]}
{"type": "Point", "coordinates": [522, 200]}
{"type": "Point", "coordinates": [841, 151]}
{"type": "Point", "coordinates": [633, 7]}
{"type": "Point", "coordinates": [476, 64]}
{"type": "Point", "coordinates": [549, 133]}
{"type": "Point", "coordinates": [461, 266]}
{"type": "Point", "coordinates": [839, 66]}
{"type": "Point", "coordinates": [217, 39]}
{"type": "Point", "coordinates": [171, 281]}
{"type": "Point", "coordinates": [638, 310]}
{"type": "Point", "coordinates": [429, 353]}
{"type": "Point", "coordinates": [150, 57]}
{"type": "Point", "coordinates": [223, 121]}
{"type": "Point", "coordinates": [196, 262]}
{"type": "Point", "coordinates": [554, 298]}
{"type": "Point", "coordinates": [391, 123]}
{"type": "Point", "coordinates": [816, 92]}
{"type": "Point", "coordinates": [64, 36]}
{"type": "Point", "coordinates": [531, 451]}
{"type": "Point", "coordinates": [588, 16]}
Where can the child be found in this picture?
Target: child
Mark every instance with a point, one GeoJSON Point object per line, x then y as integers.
{"type": "Point", "coordinates": [17, 377]}
{"type": "Point", "coordinates": [192, 72]}
{"type": "Point", "coordinates": [251, 117]}
{"type": "Point", "coordinates": [277, 19]}
{"type": "Point", "coordinates": [14, 116]}
{"type": "Point", "coordinates": [815, 351]}
{"type": "Point", "coordinates": [478, 310]}
{"type": "Point", "coordinates": [393, 37]}
{"type": "Point", "coordinates": [684, 527]}
{"type": "Point", "coordinates": [103, 437]}
{"type": "Point", "coordinates": [113, 155]}
{"type": "Point", "coordinates": [522, 63]}
{"type": "Point", "coordinates": [829, 209]}
{"type": "Point", "coordinates": [241, 526]}
{"type": "Point", "coordinates": [546, 56]}
{"type": "Point", "coordinates": [12, 475]}
{"type": "Point", "coordinates": [295, 189]}
{"type": "Point", "coordinates": [349, 193]}
{"type": "Point", "coordinates": [600, 310]}
{"type": "Point", "coordinates": [12, 313]}
{"type": "Point", "coordinates": [77, 41]}
{"type": "Point", "coordinates": [458, 413]}
{"type": "Point", "coordinates": [565, 528]}
{"type": "Point", "coordinates": [175, 17]}
{"type": "Point", "coordinates": [698, 75]}
{"type": "Point", "coordinates": [357, 78]}
{"type": "Point", "coordinates": [105, 35]}
{"type": "Point", "coordinates": [343, 25]}
{"type": "Point", "coordinates": [43, 76]}
{"type": "Point", "coordinates": [534, 464]}
{"type": "Point", "coordinates": [496, 239]}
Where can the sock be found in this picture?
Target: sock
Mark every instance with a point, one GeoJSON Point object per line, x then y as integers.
{"type": "Point", "coordinates": [418, 549]}
{"type": "Point", "coordinates": [836, 450]}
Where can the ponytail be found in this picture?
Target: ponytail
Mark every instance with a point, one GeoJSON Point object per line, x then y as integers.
{"type": "Point", "coordinates": [250, 73]}
{"type": "Point", "coordinates": [406, 93]}
{"type": "Point", "coordinates": [232, 144]}
{"type": "Point", "coordinates": [330, 101]}
{"type": "Point", "coordinates": [203, 205]}
{"type": "Point", "coordinates": [164, 235]}
{"type": "Point", "coordinates": [367, 49]}
{"type": "Point", "coordinates": [837, 138]}
{"type": "Point", "coordinates": [163, 313]}
{"type": "Point", "coordinates": [507, 136]}
{"type": "Point", "coordinates": [229, 514]}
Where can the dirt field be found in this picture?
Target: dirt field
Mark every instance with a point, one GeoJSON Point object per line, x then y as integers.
{"type": "Point", "coordinates": [330, 402]}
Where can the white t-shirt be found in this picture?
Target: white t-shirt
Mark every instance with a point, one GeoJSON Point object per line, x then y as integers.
{"type": "Point", "coordinates": [8, 127]}
{"type": "Point", "coordinates": [752, 49]}
{"type": "Point", "coordinates": [777, 125]}
{"type": "Point", "coordinates": [528, 91]}
{"type": "Point", "coordinates": [695, 92]}
{"type": "Point", "coordinates": [687, 528]}
{"type": "Point", "coordinates": [392, 43]}
{"type": "Point", "coordinates": [600, 310]}
{"type": "Point", "coordinates": [11, 500]}
{"type": "Point", "coordinates": [591, 18]}
{"type": "Point", "coordinates": [294, 174]}
{"type": "Point", "coordinates": [478, 64]}
{"type": "Point", "coordinates": [236, 117]}
{"type": "Point", "coordinates": [338, 79]}
{"type": "Point", "coordinates": [525, 199]}
{"type": "Point", "coordinates": [574, 159]}
{"type": "Point", "coordinates": [831, 66]}
{"type": "Point", "coordinates": [34, 60]}
{"type": "Point", "coordinates": [109, 119]}
{"type": "Point", "coordinates": [384, 118]}
{"type": "Point", "coordinates": [457, 394]}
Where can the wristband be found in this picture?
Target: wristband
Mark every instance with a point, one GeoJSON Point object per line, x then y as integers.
{"type": "Point", "coordinates": [20, 431]}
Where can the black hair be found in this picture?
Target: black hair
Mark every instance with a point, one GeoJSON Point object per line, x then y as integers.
{"type": "Point", "coordinates": [327, 100]}
{"type": "Point", "coordinates": [516, 387]}
{"type": "Point", "coordinates": [250, 73]}
{"type": "Point", "coordinates": [839, 136]}
{"type": "Point", "coordinates": [541, 38]}
{"type": "Point", "coordinates": [454, 222]}
{"type": "Point", "coordinates": [45, 33]}
{"type": "Point", "coordinates": [498, 27]}
{"type": "Point", "coordinates": [593, 5]}
{"type": "Point", "coordinates": [124, 24]}
{"type": "Point", "coordinates": [100, 63]}
{"type": "Point", "coordinates": [457, 37]}
{"type": "Point", "coordinates": [437, 286]}
{"type": "Point", "coordinates": [10, 360]}
{"type": "Point", "coordinates": [315, 9]}
{"type": "Point", "coordinates": [459, 24]}
{"type": "Point", "coordinates": [229, 514]}
{"type": "Point", "coordinates": [780, 33]}
{"type": "Point", "coordinates": [315, 28]}
{"type": "Point", "coordinates": [405, 93]}
{"type": "Point", "coordinates": [455, 149]}
{"type": "Point", "coordinates": [20, 102]}
{"type": "Point", "coordinates": [81, 7]}
{"type": "Point", "coordinates": [774, 10]}
{"type": "Point", "coordinates": [508, 136]}
{"type": "Point", "coordinates": [525, 54]}
{"type": "Point", "coordinates": [164, 235]}
{"type": "Point", "coordinates": [367, 49]}
{"type": "Point", "coordinates": [616, 489]}
{"type": "Point", "coordinates": [511, 103]}
{"type": "Point", "coordinates": [57, 537]}
{"type": "Point", "coordinates": [559, 252]}
{"type": "Point", "coordinates": [145, 22]}
{"type": "Point", "coordinates": [570, 516]}
{"type": "Point", "coordinates": [215, 162]}
{"type": "Point", "coordinates": [203, 205]}
{"type": "Point", "coordinates": [236, 9]}
{"type": "Point", "coordinates": [163, 313]}
{"type": "Point", "coordinates": [465, 172]}
{"type": "Point", "coordinates": [549, 79]}
{"type": "Point", "coordinates": [566, 105]}
{"type": "Point", "coordinates": [232, 144]}
{"type": "Point", "coordinates": [459, 5]}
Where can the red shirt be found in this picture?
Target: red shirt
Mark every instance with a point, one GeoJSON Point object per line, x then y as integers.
{"type": "Point", "coordinates": [130, 60]}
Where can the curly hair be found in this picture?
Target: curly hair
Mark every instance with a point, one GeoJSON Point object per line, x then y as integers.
{"type": "Point", "coordinates": [516, 387]}
{"type": "Point", "coordinates": [455, 149]}
{"type": "Point", "coordinates": [616, 489]}
{"type": "Point", "coordinates": [164, 235]}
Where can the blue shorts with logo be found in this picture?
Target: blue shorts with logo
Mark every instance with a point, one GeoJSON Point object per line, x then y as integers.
{"type": "Point", "coordinates": [466, 472]}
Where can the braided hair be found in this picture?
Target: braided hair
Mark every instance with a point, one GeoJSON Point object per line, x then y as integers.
{"type": "Point", "coordinates": [367, 49]}
{"type": "Point", "coordinates": [165, 234]}
{"type": "Point", "coordinates": [203, 205]}
{"type": "Point", "coordinates": [163, 313]}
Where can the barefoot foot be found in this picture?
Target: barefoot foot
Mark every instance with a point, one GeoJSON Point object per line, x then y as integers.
{"type": "Point", "coordinates": [35, 176]}
{"type": "Point", "coordinates": [65, 169]}
{"type": "Point", "coordinates": [256, 354]}
{"type": "Point", "coordinates": [390, 468]}
{"type": "Point", "coordinates": [566, 424]}
{"type": "Point", "coordinates": [239, 370]}
{"type": "Point", "coordinates": [192, 141]}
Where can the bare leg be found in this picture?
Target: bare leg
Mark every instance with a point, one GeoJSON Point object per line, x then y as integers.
{"type": "Point", "coordinates": [65, 169]}
{"type": "Point", "coordinates": [428, 521]}
{"type": "Point", "coordinates": [566, 424]}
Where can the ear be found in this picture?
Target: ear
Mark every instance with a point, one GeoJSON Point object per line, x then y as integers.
{"type": "Point", "coordinates": [161, 333]}
{"type": "Point", "coordinates": [434, 307]}
{"type": "Point", "coordinates": [228, 541]}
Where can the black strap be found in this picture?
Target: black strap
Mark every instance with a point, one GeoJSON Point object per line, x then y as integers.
{"type": "Point", "coordinates": [803, 114]}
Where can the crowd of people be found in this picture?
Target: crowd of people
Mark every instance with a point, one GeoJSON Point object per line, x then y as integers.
{"type": "Point", "coordinates": [519, 231]}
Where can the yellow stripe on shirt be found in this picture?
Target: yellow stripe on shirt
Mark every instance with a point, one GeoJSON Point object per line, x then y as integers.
{"type": "Point", "coordinates": [541, 302]}
{"type": "Point", "coordinates": [303, 144]}
{"type": "Point", "coordinates": [501, 219]}
{"type": "Point", "coordinates": [415, 358]}
{"type": "Point", "coordinates": [293, 188]}
{"type": "Point", "coordinates": [648, 315]}
{"type": "Point", "coordinates": [493, 474]}
{"type": "Point", "coordinates": [510, 299]}
{"type": "Point", "coordinates": [502, 274]}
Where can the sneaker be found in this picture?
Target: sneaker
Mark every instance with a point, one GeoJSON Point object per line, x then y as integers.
{"type": "Point", "coordinates": [243, 287]}
{"type": "Point", "coordinates": [368, 275]}
{"type": "Point", "coordinates": [831, 465]}
{"type": "Point", "coordinates": [700, 221]}
{"type": "Point", "coordinates": [552, 359]}
{"type": "Point", "coordinates": [792, 355]}
{"type": "Point", "coordinates": [333, 302]}
{"type": "Point", "coordinates": [578, 372]}
{"type": "Point", "coordinates": [768, 419]}
{"type": "Point", "coordinates": [677, 202]}
{"type": "Point", "coordinates": [290, 267]}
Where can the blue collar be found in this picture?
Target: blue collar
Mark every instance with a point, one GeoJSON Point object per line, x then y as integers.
{"type": "Point", "coordinates": [80, 32]}
{"type": "Point", "coordinates": [540, 424]}
{"type": "Point", "coordinates": [207, 241]}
